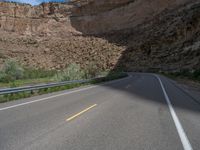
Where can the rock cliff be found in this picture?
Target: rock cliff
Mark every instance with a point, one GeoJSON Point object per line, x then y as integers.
{"type": "Point", "coordinates": [42, 20]}
{"type": "Point", "coordinates": [42, 37]}
{"type": "Point", "coordinates": [160, 35]}
{"type": "Point", "coordinates": [110, 15]}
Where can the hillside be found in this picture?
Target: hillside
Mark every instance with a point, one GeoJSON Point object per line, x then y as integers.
{"type": "Point", "coordinates": [42, 37]}
{"type": "Point", "coordinates": [136, 35]}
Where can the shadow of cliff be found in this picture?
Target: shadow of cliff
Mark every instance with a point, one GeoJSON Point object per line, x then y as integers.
{"type": "Point", "coordinates": [144, 86]}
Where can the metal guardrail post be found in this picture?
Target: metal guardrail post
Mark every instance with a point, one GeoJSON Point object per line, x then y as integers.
{"type": "Point", "coordinates": [46, 86]}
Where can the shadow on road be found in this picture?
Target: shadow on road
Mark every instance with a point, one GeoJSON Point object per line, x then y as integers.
{"type": "Point", "coordinates": [135, 58]}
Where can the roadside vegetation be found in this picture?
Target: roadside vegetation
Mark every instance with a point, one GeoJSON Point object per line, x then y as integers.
{"type": "Point", "coordinates": [13, 75]}
{"type": "Point", "coordinates": [185, 74]}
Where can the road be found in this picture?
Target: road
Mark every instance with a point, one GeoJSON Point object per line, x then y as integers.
{"type": "Point", "coordinates": [140, 112]}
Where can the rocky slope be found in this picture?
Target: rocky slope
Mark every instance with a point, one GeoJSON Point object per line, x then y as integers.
{"type": "Point", "coordinates": [169, 42]}
{"type": "Point", "coordinates": [160, 35]}
{"type": "Point", "coordinates": [42, 37]}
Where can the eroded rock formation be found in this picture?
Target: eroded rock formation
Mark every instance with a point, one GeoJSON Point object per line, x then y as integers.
{"type": "Point", "coordinates": [42, 20]}
{"type": "Point", "coordinates": [130, 34]}
{"type": "Point", "coordinates": [160, 35]}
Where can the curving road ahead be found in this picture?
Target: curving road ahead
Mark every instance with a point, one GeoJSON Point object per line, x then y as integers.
{"type": "Point", "coordinates": [140, 112]}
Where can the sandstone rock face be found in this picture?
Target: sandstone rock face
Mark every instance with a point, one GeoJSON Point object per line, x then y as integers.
{"type": "Point", "coordinates": [160, 35]}
{"type": "Point", "coordinates": [168, 42]}
{"type": "Point", "coordinates": [94, 7]}
{"type": "Point", "coordinates": [42, 37]}
{"type": "Point", "coordinates": [135, 35]}
{"type": "Point", "coordinates": [42, 20]}
{"type": "Point", "coordinates": [110, 15]}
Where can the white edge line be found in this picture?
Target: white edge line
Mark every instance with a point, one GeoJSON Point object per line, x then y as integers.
{"type": "Point", "coordinates": [184, 139]}
{"type": "Point", "coordinates": [70, 92]}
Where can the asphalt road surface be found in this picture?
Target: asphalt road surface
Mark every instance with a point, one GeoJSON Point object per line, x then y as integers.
{"type": "Point", "coordinates": [140, 112]}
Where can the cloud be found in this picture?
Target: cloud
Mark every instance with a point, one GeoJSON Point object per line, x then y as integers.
{"type": "Point", "coordinates": [36, 2]}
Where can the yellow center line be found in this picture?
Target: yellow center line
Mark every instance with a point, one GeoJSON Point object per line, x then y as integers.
{"type": "Point", "coordinates": [78, 114]}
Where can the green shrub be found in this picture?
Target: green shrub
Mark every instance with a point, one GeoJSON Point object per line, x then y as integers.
{"type": "Point", "coordinates": [31, 73]}
{"type": "Point", "coordinates": [2, 76]}
{"type": "Point", "coordinates": [192, 75]}
{"type": "Point", "coordinates": [72, 72]}
{"type": "Point", "coordinates": [92, 71]}
{"type": "Point", "coordinates": [196, 74]}
{"type": "Point", "coordinates": [11, 71]}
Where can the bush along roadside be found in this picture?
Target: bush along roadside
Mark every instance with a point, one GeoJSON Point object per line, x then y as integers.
{"type": "Point", "coordinates": [185, 74]}
{"type": "Point", "coordinates": [11, 71]}
{"type": "Point", "coordinates": [13, 75]}
{"type": "Point", "coordinates": [16, 96]}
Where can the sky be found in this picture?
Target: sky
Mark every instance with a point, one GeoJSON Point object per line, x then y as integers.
{"type": "Point", "coordinates": [36, 2]}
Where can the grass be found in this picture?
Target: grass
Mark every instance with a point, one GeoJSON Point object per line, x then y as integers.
{"type": "Point", "coordinates": [11, 97]}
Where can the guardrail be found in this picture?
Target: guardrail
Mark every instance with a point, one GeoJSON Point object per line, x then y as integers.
{"type": "Point", "coordinates": [43, 86]}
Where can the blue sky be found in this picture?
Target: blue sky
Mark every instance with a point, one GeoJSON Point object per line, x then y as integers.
{"type": "Point", "coordinates": [36, 2]}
